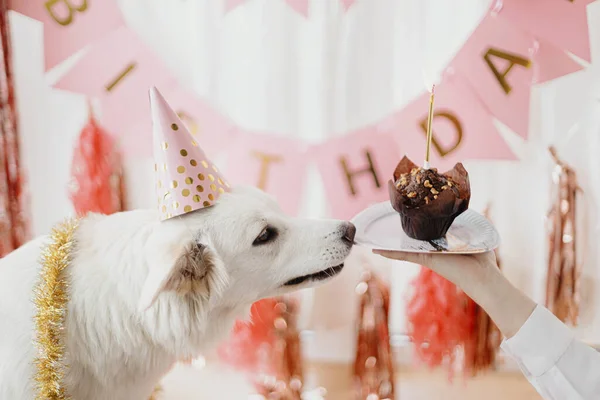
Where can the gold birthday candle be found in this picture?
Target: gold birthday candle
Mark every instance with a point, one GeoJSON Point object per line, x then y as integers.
{"type": "Point", "coordinates": [429, 122]}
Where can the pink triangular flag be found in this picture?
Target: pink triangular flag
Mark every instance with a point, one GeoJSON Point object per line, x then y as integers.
{"type": "Point", "coordinates": [462, 127]}
{"type": "Point", "coordinates": [70, 26]}
{"type": "Point", "coordinates": [186, 180]}
{"type": "Point", "coordinates": [231, 4]}
{"type": "Point", "coordinates": [347, 3]}
{"type": "Point", "coordinates": [300, 6]}
{"type": "Point", "coordinates": [488, 53]}
{"type": "Point", "coordinates": [354, 169]}
{"type": "Point", "coordinates": [118, 70]}
{"type": "Point", "coordinates": [268, 161]}
{"type": "Point", "coordinates": [551, 63]}
{"type": "Point", "coordinates": [561, 22]}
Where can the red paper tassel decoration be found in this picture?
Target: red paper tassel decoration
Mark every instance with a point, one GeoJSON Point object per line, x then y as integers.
{"type": "Point", "coordinates": [269, 349]}
{"type": "Point", "coordinates": [441, 320]}
{"type": "Point", "coordinates": [14, 224]}
{"type": "Point", "coordinates": [97, 174]}
{"type": "Point", "coordinates": [251, 342]}
{"type": "Point", "coordinates": [562, 296]}
{"type": "Point", "coordinates": [448, 328]}
{"type": "Point", "coordinates": [374, 364]}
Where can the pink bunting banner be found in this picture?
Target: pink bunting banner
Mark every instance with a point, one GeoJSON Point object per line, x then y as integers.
{"type": "Point", "coordinates": [461, 128]}
{"type": "Point", "coordinates": [490, 77]}
{"type": "Point", "coordinates": [562, 23]}
{"type": "Point", "coordinates": [497, 61]}
{"type": "Point", "coordinates": [118, 71]}
{"type": "Point", "coordinates": [355, 169]}
{"type": "Point", "coordinates": [272, 163]}
{"type": "Point", "coordinates": [551, 63]}
{"type": "Point", "coordinates": [69, 25]}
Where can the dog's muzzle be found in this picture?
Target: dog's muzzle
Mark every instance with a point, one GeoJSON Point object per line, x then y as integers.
{"type": "Point", "coordinates": [317, 276]}
{"type": "Point", "coordinates": [347, 231]}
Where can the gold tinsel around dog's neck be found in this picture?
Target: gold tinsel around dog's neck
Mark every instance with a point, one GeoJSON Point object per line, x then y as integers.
{"type": "Point", "coordinates": [51, 296]}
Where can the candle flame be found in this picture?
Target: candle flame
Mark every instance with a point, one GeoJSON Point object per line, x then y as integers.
{"type": "Point", "coordinates": [430, 80]}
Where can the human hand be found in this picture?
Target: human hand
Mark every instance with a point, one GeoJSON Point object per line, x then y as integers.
{"type": "Point", "coordinates": [471, 273]}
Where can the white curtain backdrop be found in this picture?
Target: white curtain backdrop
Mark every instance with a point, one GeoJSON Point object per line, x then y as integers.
{"type": "Point", "coordinates": [270, 69]}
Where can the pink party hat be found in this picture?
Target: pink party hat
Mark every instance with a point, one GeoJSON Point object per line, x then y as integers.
{"type": "Point", "coordinates": [186, 180]}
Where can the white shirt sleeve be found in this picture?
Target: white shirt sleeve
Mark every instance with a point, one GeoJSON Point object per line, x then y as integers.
{"type": "Point", "coordinates": [559, 366]}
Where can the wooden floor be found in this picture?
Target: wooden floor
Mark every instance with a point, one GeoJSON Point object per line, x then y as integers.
{"type": "Point", "coordinates": [427, 385]}
{"type": "Point", "coordinates": [214, 382]}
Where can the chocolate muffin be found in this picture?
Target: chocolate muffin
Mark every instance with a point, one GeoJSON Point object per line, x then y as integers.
{"type": "Point", "coordinates": [427, 201]}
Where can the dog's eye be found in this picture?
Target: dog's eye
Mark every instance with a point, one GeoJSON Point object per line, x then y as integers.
{"type": "Point", "coordinates": [267, 235]}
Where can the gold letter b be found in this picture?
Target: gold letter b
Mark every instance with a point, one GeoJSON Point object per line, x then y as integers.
{"type": "Point", "coordinates": [69, 18]}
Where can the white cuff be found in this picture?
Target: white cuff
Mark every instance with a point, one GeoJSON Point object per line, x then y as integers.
{"type": "Point", "coordinates": [540, 342]}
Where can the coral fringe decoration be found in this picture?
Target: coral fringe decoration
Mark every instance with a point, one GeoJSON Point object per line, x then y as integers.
{"type": "Point", "coordinates": [448, 328]}
{"type": "Point", "coordinates": [441, 320]}
{"type": "Point", "coordinates": [251, 341]}
{"type": "Point", "coordinates": [562, 296]}
{"type": "Point", "coordinates": [269, 349]}
{"type": "Point", "coordinates": [373, 364]}
{"type": "Point", "coordinates": [14, 224]}
{"type": "Point", "coordinates": [50, 298]}
{"type": "Point", "coordinates": [484, 343]}
{"type": "Point", "coordinates": [97, 174]}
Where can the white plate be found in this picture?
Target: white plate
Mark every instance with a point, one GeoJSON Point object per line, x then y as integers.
{"type": "Point", "coordinates": [379, 227]}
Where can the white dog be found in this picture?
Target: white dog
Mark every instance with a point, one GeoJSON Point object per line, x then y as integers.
{"type": "Point", "coordinates": [145, 294]}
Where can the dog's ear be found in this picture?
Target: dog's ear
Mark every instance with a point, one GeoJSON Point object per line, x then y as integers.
{"type": "Point", "coordinates": [196, 269]}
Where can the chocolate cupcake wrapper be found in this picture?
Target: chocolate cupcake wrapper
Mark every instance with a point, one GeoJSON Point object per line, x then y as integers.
{"type": "Point", "coordinates": [431, 221]}
{"type": "Point", "coordinates": [426, 228]}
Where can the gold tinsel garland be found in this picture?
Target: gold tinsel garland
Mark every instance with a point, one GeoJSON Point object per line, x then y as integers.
{"type": "Point", "coordinates": [562, 286]}
{"type": "Point", "coordinates": [51, 297]}
{"type": "Point", "coordinates": [483, 345]}
{"type": "Point", "coordinates": [373, 363]}
{"type": "Point", "coordinates": [286, 380]}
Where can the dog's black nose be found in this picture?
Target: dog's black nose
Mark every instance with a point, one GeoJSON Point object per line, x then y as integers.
{"type": "Point", "coordinates": [348, 231]}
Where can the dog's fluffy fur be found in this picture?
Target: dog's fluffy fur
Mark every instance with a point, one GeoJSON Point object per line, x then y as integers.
{"type": "Point", "coordinates": [145, 294]}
